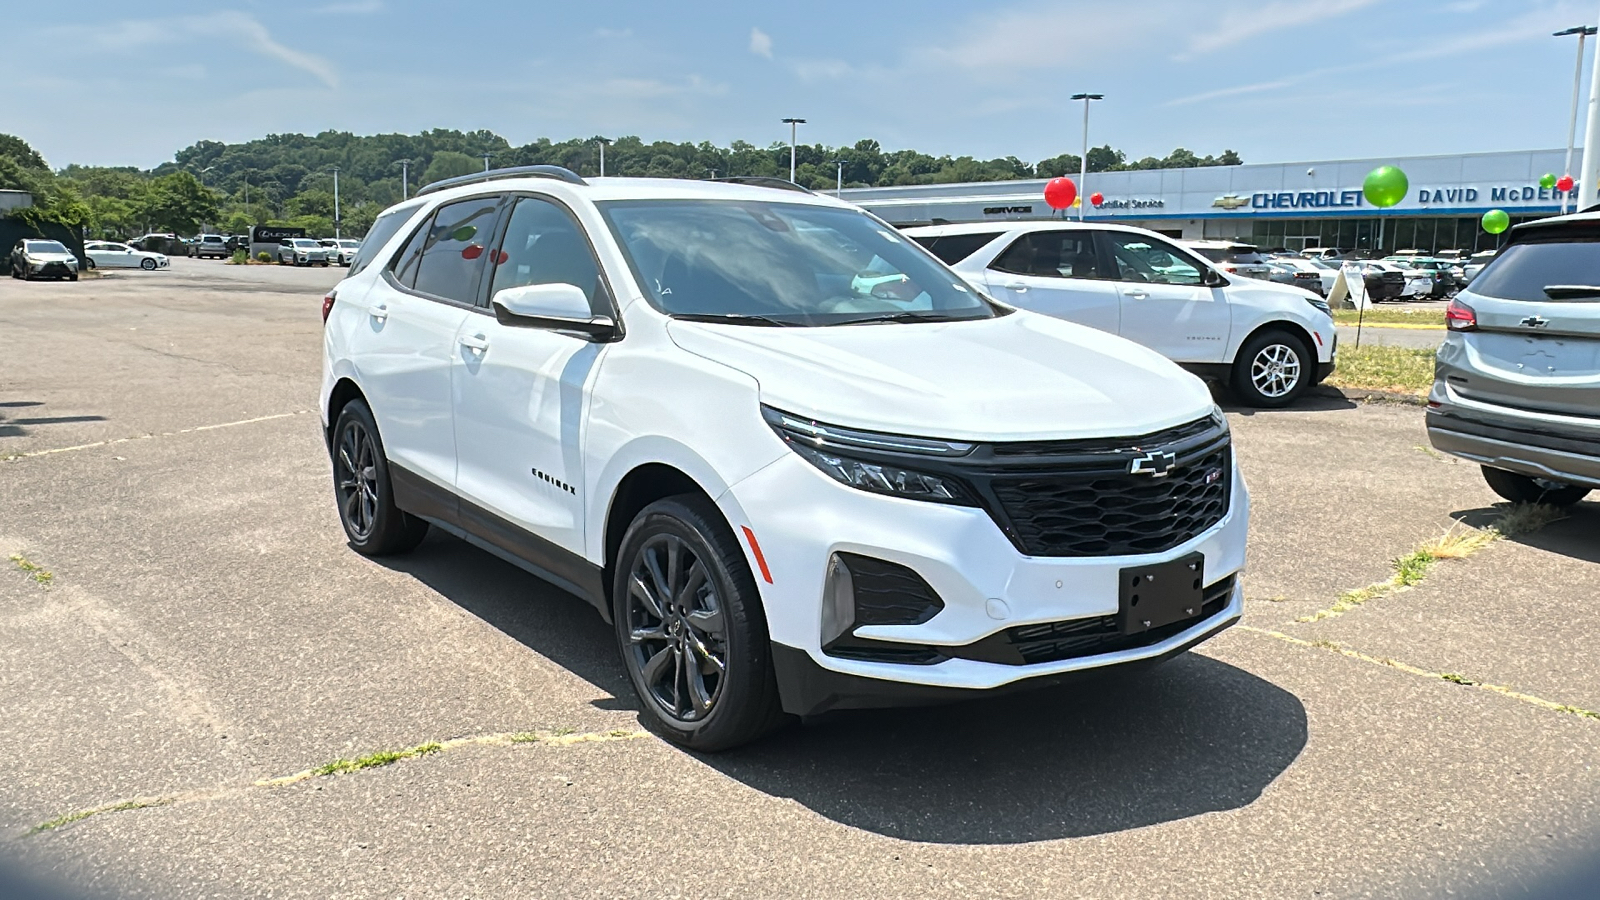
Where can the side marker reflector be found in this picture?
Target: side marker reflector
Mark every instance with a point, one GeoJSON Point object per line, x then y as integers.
{"type": "Point", "coordinates": [750, 537]}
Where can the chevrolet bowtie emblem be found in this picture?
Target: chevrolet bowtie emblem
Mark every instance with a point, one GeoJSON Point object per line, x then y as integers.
{"type": "Point", "coordinates": [1155, 464]}
{"type": "Point", "coordinates": [1230, 201]}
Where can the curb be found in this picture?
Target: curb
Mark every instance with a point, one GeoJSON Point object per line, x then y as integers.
{"type": "Point", "coordinates": [1368, 396]}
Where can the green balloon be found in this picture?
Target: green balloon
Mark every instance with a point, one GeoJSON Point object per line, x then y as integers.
{"type": "Point", "coordinates": [464, 233]}
{"type": "Point", "coordinates": [1496, 221]}
{"type": "Point", "coordinates": [1547, 181]}
{"type": "Point", "coordinates": [1385, 186]}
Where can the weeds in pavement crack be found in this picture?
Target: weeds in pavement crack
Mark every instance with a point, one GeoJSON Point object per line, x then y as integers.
{"type": "Point", "coordinates": [33, 570]}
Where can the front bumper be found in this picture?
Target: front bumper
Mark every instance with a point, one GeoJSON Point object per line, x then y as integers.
{"type": "Point", "coordinates": [1539, 445]}
{"type": "Point", "coordinates": [52, 269]}
{"type": "Point", "coordinates": [801, 518]}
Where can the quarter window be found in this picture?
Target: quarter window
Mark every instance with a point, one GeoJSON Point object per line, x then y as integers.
{"type": "Point", "coordinates": [953, 248]}
{"type": "Point", "coordinates": [1051, 254]}
{"type": "Point", "coordinates": [1146, 260]}
{"type": "Point", "coordinates": [543, 245]}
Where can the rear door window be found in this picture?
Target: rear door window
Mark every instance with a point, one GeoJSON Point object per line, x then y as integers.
{"type": "Point", "coordinates": [445, 257]}
{"type": "Point", "coordinates": [953, 248]}
{"type": "Point", "coordinates": [1051, 254]}
{"type": "Point", "coordinates": [1523, 270]}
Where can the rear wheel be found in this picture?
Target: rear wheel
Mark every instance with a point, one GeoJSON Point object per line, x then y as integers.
{"type": "Point", "coordinates": [88, 263]}
{"type": "Point", "coordinates": [1520, 488]}
{"type": "Point", "coordinates": [373, 524]}
{"type": "Point", "coordinates": [1273, 369]}
{"type": "Point", "coordinates": [691, 628]}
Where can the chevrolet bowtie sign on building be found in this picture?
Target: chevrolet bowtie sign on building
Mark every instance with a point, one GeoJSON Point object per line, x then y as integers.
{"type": "Point", "coordinates": [1292, 205]}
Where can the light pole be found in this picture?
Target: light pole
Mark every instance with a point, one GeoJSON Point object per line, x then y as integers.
{"type": "Point", "coordinates": [838, 188]}
{"type": "Point", "coordinates": [203, 174]}
{"type": "Point", "coordinates": [405, 177]}
{"type": "Point", "coordinates": [793, 124]}
{"type": "Point", "coordinates": [1083, 163]}
{"type": "Point", "coordinates": [602, 142]}
{"type": "Point", "coordinates": [486, 157]}
{"type": "Point", "coordinates": [1582, 31]}
{"type": "Point", "coordinates": [336, 234]}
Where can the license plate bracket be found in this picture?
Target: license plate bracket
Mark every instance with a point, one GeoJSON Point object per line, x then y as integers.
{"type": "Point", "coordinates": [1158, 595]}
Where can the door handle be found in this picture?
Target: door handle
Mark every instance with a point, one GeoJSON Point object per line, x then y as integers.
{"type": "Point", "coordinates": [1138, 294]}
{"type": "Point", "coordinates": [1017, 286]}
{"type": "Point", "coordinates": [476, 343]}
{"type": "Point", "coordinates": [379, 311]}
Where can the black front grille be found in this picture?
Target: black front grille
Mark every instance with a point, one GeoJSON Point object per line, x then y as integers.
{"type": "Point", "coordinates": [1185, 432]}
{"type": "Point", "coordinates": [1104, 510]}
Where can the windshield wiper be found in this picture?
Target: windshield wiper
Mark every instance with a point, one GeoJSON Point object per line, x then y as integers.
{"type": "Point", "coordinates": [736, 319]}
{"type": "Point", "coordinates": [905, 317]}
{"type": "Point", "coordinates": [1571, 291]}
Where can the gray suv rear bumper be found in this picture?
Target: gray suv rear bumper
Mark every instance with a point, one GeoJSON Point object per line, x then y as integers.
{"type": "Point", "coordinates": [1537, 447]}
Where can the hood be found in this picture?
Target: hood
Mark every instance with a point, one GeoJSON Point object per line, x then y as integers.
{"type": "Point", "coordinates": [50, 257]}
{"type": "Point", "coordinates": [1017, 377]}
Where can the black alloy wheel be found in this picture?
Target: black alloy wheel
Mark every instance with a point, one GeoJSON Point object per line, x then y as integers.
{"type": "Point", "coordinates": [691, 628]}
{"type": "Point", "coordinates": [372, 522]}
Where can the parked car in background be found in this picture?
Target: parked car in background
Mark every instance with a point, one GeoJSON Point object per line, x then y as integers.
{"type": "Point", "coordinates": [1383, 282]}
{"type": "Point", "coordinates": [344, 250]}
{"type": "Point", "coordinates": [1325, 253]}
{"type": "Point", "coordinates": [1517, 380]}
{"type": "Point", "coordinates": [1234, 258]}
{"type": "Point", "coordinates": [301, 252]}
{"type": "Point", "coordinates": [35, 258]}
{"type": "Point", "coordinates": [153, 239]}
{"type": "Point", "coordinates": [1474, 264]}
{"type": "Point", "coordinates": [112, 255]}
{"type": "Point", "coordinates": [211, 245]}
{"type": "Point", "coordinates": [1322, 274]}
{"type": "Point", "coordinates": [235, 242]}
{"type": "Point", "coordinates": [860, 507]}
{"type": "Point", "coordinates": [1270, 342]}
{"type": "Point", "coordinates": [1418, 282]}
{"type": "Point", "coordinates": [1285, 273]}
{"type": "Point", "coordinates": [1446, 274]}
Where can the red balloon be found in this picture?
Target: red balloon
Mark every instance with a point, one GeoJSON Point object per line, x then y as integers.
{"type": "Point", "coordinates": [471, 251]}
{"type": "Point", "coordinates": [1060, 192]}
{"type": "Point", "coordinates": [1097, 198]}
{"type": "Point", "coordinates": [1564, 183]}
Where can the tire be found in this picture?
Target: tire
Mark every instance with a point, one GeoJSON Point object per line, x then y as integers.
{"type": "Point", "coordinates": [361, 487]}
{"type": "Point", "coordinates": [73, 277]}
{"type": "Point", "coordinates": [1273, 369]}
{"type": "Point", "coordinates": [147, 264]}
{"type": "Point", "coordinates": [1524, 489]}
{"type": "Point", "coordinates": [88, 263]}
{"type": "Point", "coordinates": [724, 625]}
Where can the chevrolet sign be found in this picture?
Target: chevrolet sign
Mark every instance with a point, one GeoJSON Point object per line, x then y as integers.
{"type": "Point", "coordinates": [1230, 201]}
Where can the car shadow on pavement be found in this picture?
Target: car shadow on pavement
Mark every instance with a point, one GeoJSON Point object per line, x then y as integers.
{"type": "Point", "coordinates": [1576, 536]}
{"type": "Point", "coordinates": [1317, 399]}
{"type": "Point", "coordinates": [1117, 752]}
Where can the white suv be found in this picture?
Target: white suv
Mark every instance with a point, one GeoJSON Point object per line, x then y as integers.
{"type": "Point", "coordinates": [1271, 342]}
{"type": "Point", "coordinates": [796, 461]}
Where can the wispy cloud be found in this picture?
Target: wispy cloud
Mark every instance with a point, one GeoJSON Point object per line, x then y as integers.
{"type": "Point", "coordinates": [760, 43]}
{"type": "Point", "coordinates": [350, 8]}
{"type": "Point", "coordinates": [1240, 25]}
{"type": "Point", "coordinates": [237, 28]}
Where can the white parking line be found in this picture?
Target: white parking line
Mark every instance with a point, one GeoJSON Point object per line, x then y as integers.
{"type": "Point", "coordinates": [144, 437]}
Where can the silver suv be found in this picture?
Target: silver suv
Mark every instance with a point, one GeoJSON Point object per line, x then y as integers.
{"type": "Point", "coordinates": [1517, 383]}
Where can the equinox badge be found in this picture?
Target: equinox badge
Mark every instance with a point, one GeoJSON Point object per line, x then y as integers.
{"type": "Point", "coordinates": [1154, 463]}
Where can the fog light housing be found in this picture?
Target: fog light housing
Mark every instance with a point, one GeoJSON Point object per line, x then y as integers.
{"type": "Point", "coordinates": [862, 590]}
{"type": "Point", "coordinates": [838, 601]}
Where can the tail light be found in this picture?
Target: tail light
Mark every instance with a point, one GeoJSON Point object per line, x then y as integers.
{"type": "Point", "coordinates": [327, 305]}
{"type": "Point", "coordinates": [1460, 317]}
{"type": "Point", "coordinates": [1234, 269]}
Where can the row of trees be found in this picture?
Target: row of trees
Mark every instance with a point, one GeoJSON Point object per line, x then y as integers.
{"type": "Point", "coordinates": [289, 178]}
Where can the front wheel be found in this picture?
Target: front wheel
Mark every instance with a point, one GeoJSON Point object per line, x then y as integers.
{"type": "Point", "coordinates": [691, 628]}
{"type": "Point", "coordinates": [1520, 488]}
{"type": "Point", "coordinates": [149, 265]}
{"type": "Point", "coordinates": [372, 523]}
{"type": "Point", "coordinates": [1273, 369]}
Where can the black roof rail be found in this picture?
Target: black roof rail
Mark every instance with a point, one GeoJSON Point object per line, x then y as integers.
{"type": "Point", "coordinates": [557, 172]}
{"type": "Point", "coordinates": [766, 181]}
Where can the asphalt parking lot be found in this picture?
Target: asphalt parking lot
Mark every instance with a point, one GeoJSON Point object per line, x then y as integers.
{"type": "Point", "coordinates": [186, 639]}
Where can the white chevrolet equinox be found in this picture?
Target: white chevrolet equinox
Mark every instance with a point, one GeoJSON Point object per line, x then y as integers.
{"type": "Point", "coordinates": [794, 459]}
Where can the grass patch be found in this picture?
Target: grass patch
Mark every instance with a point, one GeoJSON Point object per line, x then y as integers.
{"type": "Point", "coordinates": [1430, 317]}
{"type": "Point", "coordinates": [82, 814]}
{"type": "Point", "coordinates": [33, 570]}
{"type": "Point", "coordinates": [1522, 518]}
{"type": "Point", "coordinates": [374, 760]}
{"type": "Point", "coordinates": [1378, 367]}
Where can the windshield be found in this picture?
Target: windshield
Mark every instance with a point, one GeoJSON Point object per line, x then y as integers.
{"type": "Point", "coordinates": [783, 264]}
{"type": "Point", "coordinates": [306, 242]}
{"type": "Point", "coordinates": [1522, 270]}
{"type": "Point", "coordinates": [44, 247]}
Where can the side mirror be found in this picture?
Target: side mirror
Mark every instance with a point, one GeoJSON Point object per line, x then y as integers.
{"type": "Point", "coordinates": [559, 307]}
{"type": "Point", "coordinates": [1213, 278]}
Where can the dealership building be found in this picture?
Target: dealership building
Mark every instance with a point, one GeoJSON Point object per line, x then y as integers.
{"type": "Point", "coordinates": [1293, 205]}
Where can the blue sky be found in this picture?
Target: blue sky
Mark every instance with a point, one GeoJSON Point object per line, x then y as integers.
{"type": "Point", "coordinates": [1276, 80]}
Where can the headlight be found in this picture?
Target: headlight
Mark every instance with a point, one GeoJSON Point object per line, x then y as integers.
{"type": "Point", "coordinates": [857, 458]}
{"type": "Point", "coordinates": [1321, 305]}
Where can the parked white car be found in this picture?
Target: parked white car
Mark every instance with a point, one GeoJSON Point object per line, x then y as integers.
{"type": "Point", "coordinates": [301, 252]}
{"type": "Point", "coordinates": [1326, 272]}
{"type": "Point", "coordinates": [797, 462]}
{"type": "Point", "coordinates": [341, 250]}
{"type": "Point", "coordinates": [1271, 342]}
{"type": "Point", "coordinates": [114, 255]}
